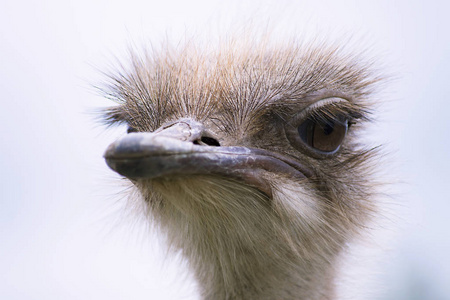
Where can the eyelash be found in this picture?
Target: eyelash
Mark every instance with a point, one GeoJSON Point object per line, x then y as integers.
{"type": "Point", "coordinates": [334, 109]}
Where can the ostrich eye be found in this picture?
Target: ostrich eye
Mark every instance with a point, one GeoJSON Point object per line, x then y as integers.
{"type": "Point", "coordinates": [320, 129]}
{"type": "Point", "coordinates": [325, 135]}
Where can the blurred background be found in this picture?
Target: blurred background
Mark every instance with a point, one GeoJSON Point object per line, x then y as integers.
{"type": "Point", "coordinates": [64, 232]}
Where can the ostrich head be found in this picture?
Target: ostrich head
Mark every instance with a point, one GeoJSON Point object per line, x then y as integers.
{"type": "Point", "coordinates": [248, 159]}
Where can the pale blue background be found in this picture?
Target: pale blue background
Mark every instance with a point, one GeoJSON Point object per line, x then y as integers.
{"type": "Point", "coordinates": [62, 233]}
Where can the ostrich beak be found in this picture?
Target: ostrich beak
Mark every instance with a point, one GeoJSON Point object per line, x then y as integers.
{"type": "Point", "coordinates": [172, 151]}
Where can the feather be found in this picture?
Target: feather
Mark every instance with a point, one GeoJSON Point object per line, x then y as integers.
{"type": "Point", "coordinates": [241, 241]}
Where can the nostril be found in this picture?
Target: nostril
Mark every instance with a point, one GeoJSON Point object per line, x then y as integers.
{"type": "Point", "coordinates": [209, 141]}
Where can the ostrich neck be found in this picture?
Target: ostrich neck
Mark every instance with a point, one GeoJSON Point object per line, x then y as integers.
{"type": "Point", "coordinates": [238, 248]}
{"type": "Point", "coordinates": [245, 274]}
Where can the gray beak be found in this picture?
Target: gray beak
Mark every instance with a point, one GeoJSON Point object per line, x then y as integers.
{"type": "Point", "coordinates": [174, 150]}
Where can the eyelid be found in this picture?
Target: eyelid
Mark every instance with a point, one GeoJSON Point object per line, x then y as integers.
{"type": "Point", "coordinates": [329, 108]}
{"type": "Point", "coordinates": [316, 107]}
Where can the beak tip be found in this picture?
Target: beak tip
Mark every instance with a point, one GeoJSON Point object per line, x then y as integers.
{"type": "Point", "coordinates": [109, 151]}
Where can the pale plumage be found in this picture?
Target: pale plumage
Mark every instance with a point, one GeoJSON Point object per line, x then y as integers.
{"type": "Point", "coordinates": [248, 158]}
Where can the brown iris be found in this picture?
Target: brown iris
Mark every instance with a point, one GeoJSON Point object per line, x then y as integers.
{"type": "Point", "coordinates": [325, 135]}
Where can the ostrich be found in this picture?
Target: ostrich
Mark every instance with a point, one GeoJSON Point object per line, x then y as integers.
{"type": "Point", "coordinates": [248, 159]}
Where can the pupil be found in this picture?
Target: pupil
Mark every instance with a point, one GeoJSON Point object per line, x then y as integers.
{"type": "Point", "coordinates": [328, 129]}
